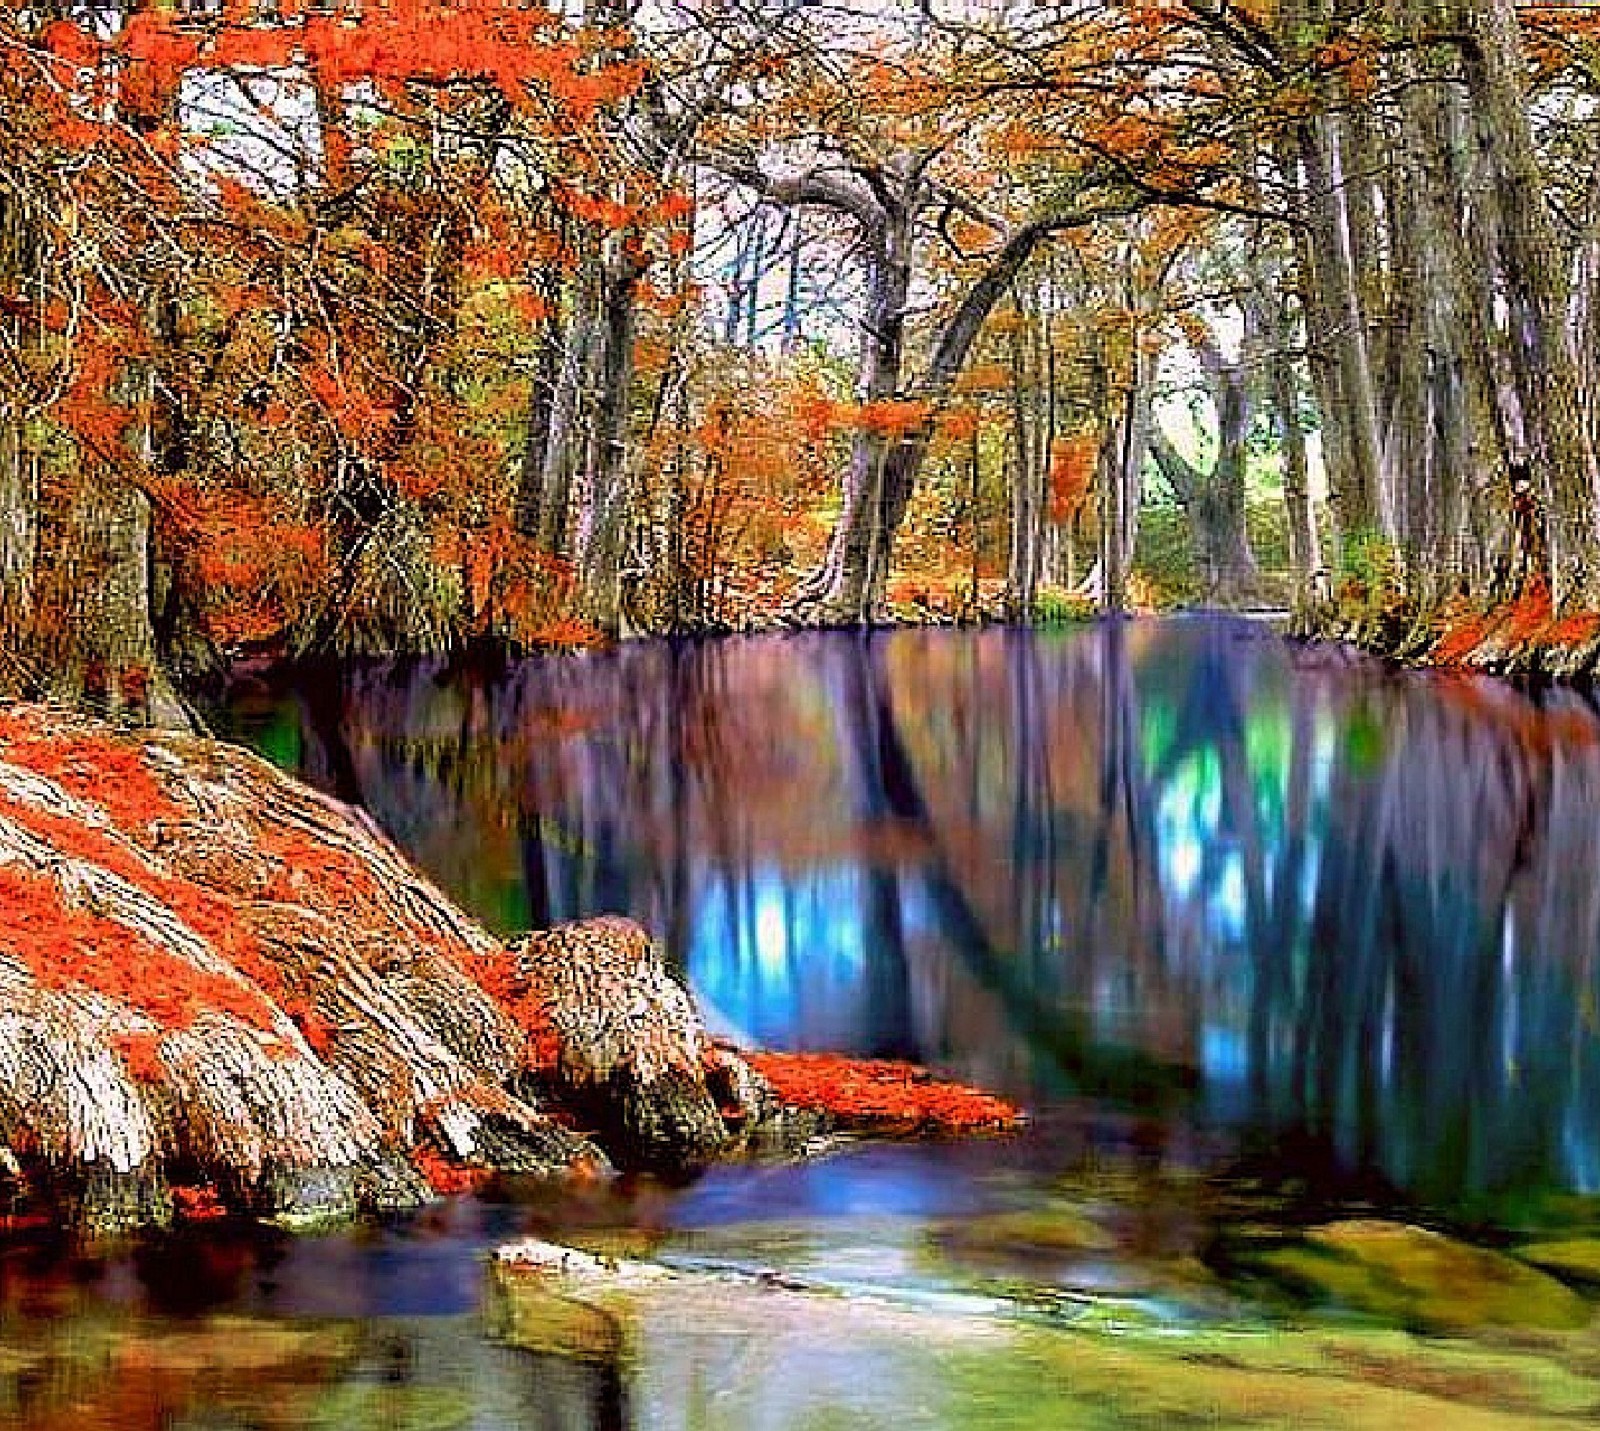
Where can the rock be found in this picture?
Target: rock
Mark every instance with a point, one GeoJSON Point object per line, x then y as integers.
{"type": "Point", "coordinates": [1418, 1278]}
{"type": "Point", "coordinates": [552, 1259]}
{"type": "Point", "coordinates": [212, 975]}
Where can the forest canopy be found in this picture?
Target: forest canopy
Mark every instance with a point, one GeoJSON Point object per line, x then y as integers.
{"type": "Point", "coordinates": [349, 326]}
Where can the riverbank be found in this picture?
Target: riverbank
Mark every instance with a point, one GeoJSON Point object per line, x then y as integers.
{"type": "Point", "coordinates": [222, 992]}
{"type": "Point", "coordinates": [1521, 638]}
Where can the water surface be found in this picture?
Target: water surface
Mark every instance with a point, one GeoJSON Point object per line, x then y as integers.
{"type": "Point", "coordinates": [1261, 937]}
{"type": "Point", "coordinates": [1339, 916]}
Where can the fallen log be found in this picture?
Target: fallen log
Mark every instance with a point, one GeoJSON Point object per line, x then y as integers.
{"type": "Point", "coordinates": [220, 989]}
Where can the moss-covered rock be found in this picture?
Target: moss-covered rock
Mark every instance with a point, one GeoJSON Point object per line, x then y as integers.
{"type": "Point", "coordinates": [1054, 1231]}
{"type": "Point", "coordinates": [1573, 1259]}
{"type": "Point", "coordinates": [1417, 1278]}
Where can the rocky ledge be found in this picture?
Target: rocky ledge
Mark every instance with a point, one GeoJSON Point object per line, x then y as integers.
{"type": "Point", "coordinates": [223, 992]}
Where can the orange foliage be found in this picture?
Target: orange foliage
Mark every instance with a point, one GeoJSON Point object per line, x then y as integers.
{"type": "Point", "coordinates": [960, 424]}
{"type": "Point", "coordinates": [361, 416]}
{"type": "Point", "coordinates": [112, 774]}
{"type": "Point", "coordinates": [197, 1202]}
{"type": "Point", "coordinates": [446, 1176]}
{"type": "Point", "coordinates": [63, 946]}
{"type": "Point", "coordinates": [881, 1094]}
{"type": "Point", "coordinates": [892, 418]}
{"type": "Point", "coordinates": [1129, 137]}
{"type": "Point", "coordinates": [325, 346]}
{"type": "Point", "coordinates": [1576, 630]}
{"type": "Point", "coordinates": [1460, 638]}
{"type": "Point", "coordinates": [318, 1033]}
{"type": "Point", "coordinates": [1518, 629]}
{"type": "Point", "coordinates": [818, 414]}
{"type": "Point", "coordinates": [1072, 466]}
{"type": "Point", "coordinates": [506, 43]}
{"type": "Point", "coordinates": [513, 588]}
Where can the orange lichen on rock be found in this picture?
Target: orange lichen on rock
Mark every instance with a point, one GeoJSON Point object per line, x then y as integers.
{"type": "Point", "coordinates": [881, 1095]}
{"type": "Point", "coordinates": [314, 874]}
{"type": "Point", "coordinates": [207, 914]}
{"type": "Point", "coordinates": [141, 1056]}
{"type": "Point", "coordinates": [500, 974]}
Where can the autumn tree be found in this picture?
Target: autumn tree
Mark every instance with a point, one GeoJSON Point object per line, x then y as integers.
{"type": "Point", "coordinates": [1433, 275]}
{"type": "Point", "coordinates": [246, 264]}
{"type": "Point", "coordinates": [984, 136]}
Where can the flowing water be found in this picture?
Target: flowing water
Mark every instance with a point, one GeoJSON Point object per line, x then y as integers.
{"type": "Point", "coordinates": [1268, 941]}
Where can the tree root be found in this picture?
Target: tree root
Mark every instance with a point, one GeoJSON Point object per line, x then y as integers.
{"type": "Point", "coordinates": [211, 975]}
{"type": "Point", "coordinates": [221, 991]}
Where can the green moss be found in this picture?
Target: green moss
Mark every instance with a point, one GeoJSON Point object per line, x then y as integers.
{"type": "Point", "coordinates": [1354, 1382]}
{"type": "Point", "coordinates": [1418, 1278]}
{"type": "Point", "coordinates": [1053, 1231]}
{"type": "Point", "coordinates": [542, 1316]}
{"type": "Point", "coordinates": [357, 1406]}
{"type": "Point", "coordinates": [1573, 1259]}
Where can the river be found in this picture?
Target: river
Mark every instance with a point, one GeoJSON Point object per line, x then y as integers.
{"type": "Point", "coordinates": [1266, 938]}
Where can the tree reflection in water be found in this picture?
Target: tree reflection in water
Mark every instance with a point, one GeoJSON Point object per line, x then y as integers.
{"type": "Point", "coordinates": [1347, 915]}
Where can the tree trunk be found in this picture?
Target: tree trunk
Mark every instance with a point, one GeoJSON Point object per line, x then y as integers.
{"type": "Point", "coordinates": [95, 640]}
{"type": "Point", "coordinates": [1546, 369]}
{"type": "Point", "coordinates": [19, 524]}
{"type": "Point", "coordinates": [548, 468]}
{"type": "Point", "coordinates": [1479, 411]}
{"type": "Point", "coordinates": [1121, 483]}
{"type": "Point", "coordinates": [1027, 491]}
{"type": "Point", "coordinates": [849, 587]}
{"type": "Point", "coordinates": [1305, 546]}
{"type": "Point", "coordinates": [606, 497]}
{"type": "Point", "coordinates": [1329, 271]}
{"type": "Point", "coordinates": [543, 396]}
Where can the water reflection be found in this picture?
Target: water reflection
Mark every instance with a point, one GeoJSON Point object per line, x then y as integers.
{"type": "Point", "coordinates": [240, 1326]}
{"type": "Point", "coordinates": [1349, 916]}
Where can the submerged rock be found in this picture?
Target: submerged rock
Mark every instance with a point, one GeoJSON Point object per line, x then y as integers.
{"type": "Point", "coordinates": [1417, 1278]}
{"type": "Point", "coordinates": [1046, 1232]}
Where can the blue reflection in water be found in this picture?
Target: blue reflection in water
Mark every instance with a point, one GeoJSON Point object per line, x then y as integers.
{"type": "Point", "coordinates": [884, 1181]}
{"type": "Point", "coordinates": [1345, 916]}
{"type": "Point", "coordinates": [789, 954]}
